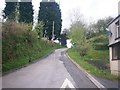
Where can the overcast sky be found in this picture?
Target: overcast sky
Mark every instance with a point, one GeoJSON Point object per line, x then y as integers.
{"type": "Point", "coordinates": [91, 10]}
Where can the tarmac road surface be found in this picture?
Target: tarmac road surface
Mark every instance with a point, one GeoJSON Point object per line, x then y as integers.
{"type": "Point", "coordinates": [53, 71]}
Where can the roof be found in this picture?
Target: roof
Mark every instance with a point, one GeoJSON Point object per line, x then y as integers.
{"type": "Point", "coordinates": [110, 45]}
{"type": "Point", "coordinates": [113, 20]}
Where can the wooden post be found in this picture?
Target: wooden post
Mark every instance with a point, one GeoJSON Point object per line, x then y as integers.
{"type": "Point", "coordinates": [53, 30]}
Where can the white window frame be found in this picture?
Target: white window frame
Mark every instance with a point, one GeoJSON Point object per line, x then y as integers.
{"type": "Point", "coordinates": [116, 52]}
{"type": "Point", "coordinates": [117, 31]}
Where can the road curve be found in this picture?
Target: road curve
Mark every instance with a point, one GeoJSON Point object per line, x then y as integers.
{"type": "Point", "coordinates": [54, 71]}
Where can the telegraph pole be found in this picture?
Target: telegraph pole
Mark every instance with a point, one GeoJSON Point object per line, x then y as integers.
{"type": "Point", "coordinates": [53, 30]}
{"type": "Point", "coordinates": [59, 3]}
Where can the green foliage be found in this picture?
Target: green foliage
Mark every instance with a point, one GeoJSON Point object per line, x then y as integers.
{"type": "Point", "coordinates": [19, 11]}
{"type": "Point", "coordinates": [90, 43]}
{"type": "Point", "coordinates": [99, 27]}
{"type": "Point", "coordinates": [100, 42]}
{"type": "Point", "coordinates": [14, 36]}
{"type": "Point", "coordinates": [90, 68]}
{"type": "Point", "coordinates": [20, 45]}
{"type": "Point", "coordinates": [100, 46]}
{"type": "Point", "coordinates": [50, 12]}
{"type": "Point", "coordinates": [25, 12]}
{"type": "Point", "coordinates": [78, 35]}
{"type": "Point", "coordinates": [39, 29]}
{"type": "Point", "coordinates": [82, 49]}
{"type": "Point", "coordinates": [9, 10]}
{"type": "Point", "coordinates": [63, 39]}
{"type": "Point", "coordinates": [102, 55]}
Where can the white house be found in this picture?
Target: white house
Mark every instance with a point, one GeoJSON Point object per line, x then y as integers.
{"type": "Point", "coordinates": [114, 44]}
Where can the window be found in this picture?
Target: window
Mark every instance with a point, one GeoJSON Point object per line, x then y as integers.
{"type": "Point", "coordinates": [116, 51]}
{"type": "Point", "coordinates": [118, 30]}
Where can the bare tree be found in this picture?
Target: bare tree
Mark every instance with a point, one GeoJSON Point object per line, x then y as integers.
{"type": "Point", "coordinates": [77, 17]}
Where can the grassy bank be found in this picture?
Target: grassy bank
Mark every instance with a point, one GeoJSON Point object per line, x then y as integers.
{"type": "Point", "coordinates": [29, 54]}
{"type": "Point", "coordinates": [21, 46]}
{"type": "Point", "coordinates": [89, 67]}
{"type": "Point", "coordinates": [102, 55]}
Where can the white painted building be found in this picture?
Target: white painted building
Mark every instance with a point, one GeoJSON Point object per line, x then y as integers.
{"type": "Point", "coordinates": [114, 44]}
{"type": "Point", "coordinates": [69, 44]}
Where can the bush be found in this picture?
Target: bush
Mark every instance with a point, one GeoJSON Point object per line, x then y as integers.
{"type": "Point", "coordinates": [20, 45]}
{"type": "Point", "coordinates": [15, 36]}
{"type": "Point", "coordinates": [99, 42]}
{"type": "Point", "coordinates": [82, 50]}
{"type": "Point", "coordinates": [39, 29]}
{"type": "Point", "coordinates": [100, 46]}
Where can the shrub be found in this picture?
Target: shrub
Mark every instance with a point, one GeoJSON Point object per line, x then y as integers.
{"type": "Point", "coordinates": [39, 29]}
{"type": "Point", "coordinates": [82, 50]}
{"type": "Point", "coordinates": [14, 36]}
{"type": "Point", "coordinates": [100, 46]}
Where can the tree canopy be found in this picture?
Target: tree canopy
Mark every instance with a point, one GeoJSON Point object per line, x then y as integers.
{"type": "Point", "coordinates": [50, 15]}
{"type": "Point", "coordinates": [10, 10]}
{"type": "Point", "coordinates": [19, 11]}
{"type": "Point", "coordinates": [25, 12]}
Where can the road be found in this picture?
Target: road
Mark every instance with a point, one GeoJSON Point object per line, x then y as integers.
{"type": "Point", "coordinates": [54, 71]}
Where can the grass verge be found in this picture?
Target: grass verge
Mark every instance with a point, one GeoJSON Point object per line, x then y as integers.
{"type": "Point", "coordinates": [90, 68]}
{"type": "Point", "coordinates": [21, 45]}
{"type": "Point", "coordinates": [29, 54]}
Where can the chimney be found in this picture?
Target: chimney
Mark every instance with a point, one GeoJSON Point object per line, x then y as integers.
{"type": "Point", "coordinates": [119, 8]}
{"type": "Point", "coordinates": [51, 0]}
{"type": "Point", "coordinates": [44, 0]}
{"type": "Point", "coordinates": [25, 0]}
{"type": "Point", "coordinates": [11, 0]}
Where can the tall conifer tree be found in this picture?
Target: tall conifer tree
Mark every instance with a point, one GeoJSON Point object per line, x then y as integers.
{"type": "Point", "coordinates": [10, 10]}
{"type": "Point", "coordinates": [50, 14]}
{"type": "Point", "coordinates": [26, 11]}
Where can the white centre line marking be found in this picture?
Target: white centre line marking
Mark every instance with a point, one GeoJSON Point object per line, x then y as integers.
{"type": "Point", "coordinates": [61, 61]}
{"type": "Point", "coordinates": [67, 83]}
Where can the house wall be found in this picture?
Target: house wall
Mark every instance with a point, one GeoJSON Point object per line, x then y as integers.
{"type": "Point", "coordinates": [113, 36]}
{"type": "Point", "coordinates": [114, 65]}
{"type": "Point", "coordinates": [119, 8]}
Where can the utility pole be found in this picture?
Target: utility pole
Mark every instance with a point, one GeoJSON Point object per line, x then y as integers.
{"type": "Point", "coordinates": [53, 30]}
{"type": "Point", "coordinates": [59, 3]}
{"type": "Point", "coordinates": [17, 12]}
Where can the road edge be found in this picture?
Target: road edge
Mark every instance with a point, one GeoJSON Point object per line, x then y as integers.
{"type": "Point", "coordinates": [14, 70]}
{"type": "Point", "coordinates": [92, 79]}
